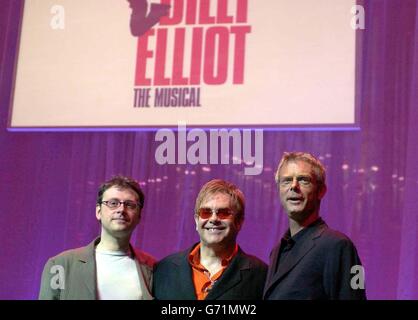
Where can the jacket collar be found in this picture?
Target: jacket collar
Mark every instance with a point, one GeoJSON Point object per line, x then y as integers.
{"type": "Point", "coordinates": [232, 276]}
{"type": "Point", "coordinates": [232, 273]}
{"type": "Point", "coordinates": [295, 255]}
{"type": "Point", "coordinates": [88, 266]}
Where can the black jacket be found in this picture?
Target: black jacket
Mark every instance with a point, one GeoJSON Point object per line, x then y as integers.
{"type": "Point", "coordinates": [243, 279]}
{"type": "Point", "coordinates": [318, 267]}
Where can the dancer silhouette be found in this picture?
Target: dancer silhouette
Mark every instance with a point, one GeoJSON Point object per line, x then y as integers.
{"type": "Point", "coordinates": [140, 21]}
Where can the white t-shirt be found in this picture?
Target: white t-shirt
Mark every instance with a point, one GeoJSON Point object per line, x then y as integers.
{"type": "Point", "coordinates": [118, 276]}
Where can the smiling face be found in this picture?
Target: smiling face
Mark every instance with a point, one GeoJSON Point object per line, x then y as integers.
{"type": "Point", "coordinates": [121, 221]}
{"type": "Point", "coordinates": [300, 192]}
{"type": "Point", "coordinates": [214, 231]}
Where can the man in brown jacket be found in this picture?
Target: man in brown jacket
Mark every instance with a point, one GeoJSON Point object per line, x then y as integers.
{"type": "Point", "coordinates": [109, 267]}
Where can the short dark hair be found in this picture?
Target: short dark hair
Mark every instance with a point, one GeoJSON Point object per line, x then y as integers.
{"type": "Point", "coordinates": [121, 182]}
{"type": "Point", "coordinates": [225, 187]}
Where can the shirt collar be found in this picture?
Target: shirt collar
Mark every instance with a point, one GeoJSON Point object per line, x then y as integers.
{"type": "Point", "coordinates": [194, 257]}
{"type": "Point", "coordinates": [288, 239]}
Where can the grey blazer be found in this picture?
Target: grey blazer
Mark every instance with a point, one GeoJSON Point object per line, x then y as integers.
{"type": "Point", "coordinates": [71, 275]}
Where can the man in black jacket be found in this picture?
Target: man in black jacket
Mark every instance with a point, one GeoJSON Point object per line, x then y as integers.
{"type": "Point", "coordinates": [311, 261]}
{"type": "Point", "coordinates": [216, 267]}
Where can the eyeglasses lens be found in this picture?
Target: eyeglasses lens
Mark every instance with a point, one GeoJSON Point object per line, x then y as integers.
{"type": "Point", "coordinates": [222, 213]}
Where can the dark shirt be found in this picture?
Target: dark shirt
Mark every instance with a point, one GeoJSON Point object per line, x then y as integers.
{"type": "Point", "coordinates": [287, 243]}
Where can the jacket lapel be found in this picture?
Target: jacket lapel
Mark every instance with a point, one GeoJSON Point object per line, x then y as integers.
{"type": "Point", "coordinates": [230, 278]}
{"type": "Point", "coordinates": [87, 266]}
{"type": "Point", "coordinates": [295, 255]}
{"type": "Point", "coordinates": [185, 277]}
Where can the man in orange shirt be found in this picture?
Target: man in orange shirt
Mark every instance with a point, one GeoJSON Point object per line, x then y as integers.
{"type": "Point", "coordinates": [216, 267]}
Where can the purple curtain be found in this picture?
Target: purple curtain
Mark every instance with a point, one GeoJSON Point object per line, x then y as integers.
{"type": "Point", "coordinates": [48, 181]}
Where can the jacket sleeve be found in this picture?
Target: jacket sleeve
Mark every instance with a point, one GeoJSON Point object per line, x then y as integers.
{"type": "Point", "coordinates": [344, 274]}
{"type": "Point", "coordinates": [51, 281]}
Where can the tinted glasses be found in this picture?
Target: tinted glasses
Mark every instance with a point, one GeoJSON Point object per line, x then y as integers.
{"type": "Point", "coordinates": [221, 213]}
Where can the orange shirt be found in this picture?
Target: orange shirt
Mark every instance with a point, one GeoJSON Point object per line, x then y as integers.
{"type": "Point", "coordinates": [202, 280]}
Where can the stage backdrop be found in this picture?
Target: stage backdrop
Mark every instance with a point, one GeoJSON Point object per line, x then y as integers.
{"type": "Point", "coordinates": [48, 181]}
{"type": "Point", "coordinates": [121, 64]}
